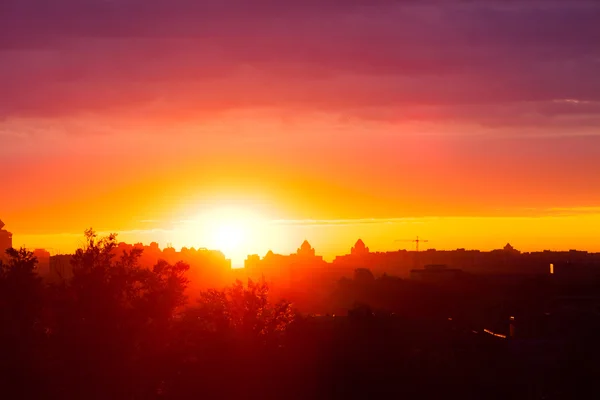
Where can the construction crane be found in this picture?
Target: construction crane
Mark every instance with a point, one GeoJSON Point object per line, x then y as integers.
{"type": "Point", "coordinates": [415, 241]}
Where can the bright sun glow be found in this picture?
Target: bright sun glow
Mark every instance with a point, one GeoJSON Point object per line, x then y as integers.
{"type": "Point", "coordinates": [233, 231]}
{"type": "Point", "coordinates": [230, 236]}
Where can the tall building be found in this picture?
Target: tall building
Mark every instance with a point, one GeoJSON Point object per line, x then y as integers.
{"type": "Point", "coordinates": [359, 249]}
{"type": "Point", "coordinates": [286, 269]}
{"type": "Point", "coordinates": [305, 250]}
{"type": "Point", "coordinates": [5, 239]}
{"type": "Point", "coordinates": [43, 258]}
{"type": "Point", "coordinates": [359, 257]}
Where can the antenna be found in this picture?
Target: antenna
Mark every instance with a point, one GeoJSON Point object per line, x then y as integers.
{"type": "Point", "coordinates": [416, 241]}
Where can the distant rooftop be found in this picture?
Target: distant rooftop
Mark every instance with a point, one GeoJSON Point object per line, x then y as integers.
{"type": "Point", "coordinates": [1, 224]}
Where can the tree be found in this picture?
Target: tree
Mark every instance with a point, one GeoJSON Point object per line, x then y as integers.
{"type": "Point", "coordinates": [363, 276]}
{"type": "Point", "coordinates": [162, 290]}
{"type": "Point", "coordinates": [227, 331]}
{"type": "Point", "coordinates": [21, 293]}
{"type": "Point", "coordinates": [112, 319]}
{"type": "Point", "coordinates": [96, 253]}
{"type": "Point", "coordinates": [20, 261]}
{"type": "Point", "coordinates": [21, 328]}
{"type": "Point", "coordinates": [245, 310]}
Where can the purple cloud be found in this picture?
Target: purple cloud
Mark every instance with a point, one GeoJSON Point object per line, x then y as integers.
{"type": "Point", "coordinates": [487, 63]}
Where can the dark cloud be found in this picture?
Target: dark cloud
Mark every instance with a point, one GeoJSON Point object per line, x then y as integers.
{"type": "Point", "coordinates": [488, 62]}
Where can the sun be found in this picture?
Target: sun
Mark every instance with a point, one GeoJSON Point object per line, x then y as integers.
{"type": "Point", "coordinates": [230, 236]}
{"type": "Point", "coordinates": [233, 231]}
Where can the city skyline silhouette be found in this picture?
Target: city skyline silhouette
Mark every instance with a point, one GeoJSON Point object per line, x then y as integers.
{"type": "Point", "coordinates": [299, 199]}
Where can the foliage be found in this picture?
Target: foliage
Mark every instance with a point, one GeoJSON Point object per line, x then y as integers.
{"type": "Point", "coordinates": [114, 316]}
{"type": "Point", "coordinates": [121, 330]}
{"type": "Point", "coordinates": [363, 275]}
{"type": "Point", "coordinates": [20, 261]}
{"type": "Point", "coordinates": [21, 303]}
{"type": "Point", "coordinates": [96, 254]}
{"type": "Point", "coordinates": [245, 310]}
{"type": "Point", "coordinates": [100, 281]}
{"type": "Point", "coordinates": [20, 292]}
{"type": "Point", "coordinates": [228, 331]}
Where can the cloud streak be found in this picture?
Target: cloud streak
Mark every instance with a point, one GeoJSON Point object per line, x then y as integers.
{"type": "Point", "coordinates": [350, 222]}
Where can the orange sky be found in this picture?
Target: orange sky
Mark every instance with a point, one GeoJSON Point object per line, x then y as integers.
{"type": "Point", "coordinates": [432, 120]}
{"type": "Point", "coordinates": [320, 189]}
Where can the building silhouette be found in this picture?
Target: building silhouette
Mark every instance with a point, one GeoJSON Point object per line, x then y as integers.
{"type": "Point", "coordinates": [359, 249]}
{"type": "Point", "coordinates": [43, 259]}
{"type": "Point", "coordinates": [208, 268]}
{"type": "Point", "coordinates": [435, 273]}
{"type": "Point", "coordinates": [398, 263]}
{"type": "Point", "coordinates": [287, 270]}
{"type": "Point", "coordinates": [5, 240]}
{"type": "Point", "coordinates": [305, 250]}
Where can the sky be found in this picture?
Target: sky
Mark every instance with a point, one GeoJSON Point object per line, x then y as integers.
{"type": "Point", "coordinates": [474, 123]}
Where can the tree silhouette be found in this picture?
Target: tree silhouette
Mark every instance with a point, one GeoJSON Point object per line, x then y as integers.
{"type": "Point", "coordinates": [363, 276]}
{"type": "Point", "coordinates": [120, 329]}
{"type": "Point", "coordinates": [20, 293]}
{"type": "Point", "coordinates": [112, 320]}
{"type": "Point", "coordinates": [21, 328]}
{"type": "Point", "coordinates": [227, 331]}
{"type": "Point", "coordinates": [243, 310]}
